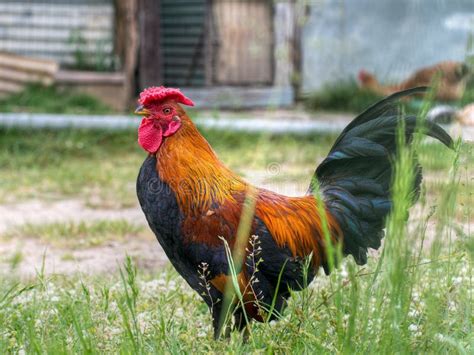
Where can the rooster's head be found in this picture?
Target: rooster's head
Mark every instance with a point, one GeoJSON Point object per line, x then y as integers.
{"type": "Point", "coordinates": [161, 113]}
{"type": "Point", "coordinates": [365, 77]}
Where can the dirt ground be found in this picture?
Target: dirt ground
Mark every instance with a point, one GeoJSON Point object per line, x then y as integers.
{"type": "Point", "coordinates": [100, 259]}
{"type": "Point", "coordinates": [109, 255]}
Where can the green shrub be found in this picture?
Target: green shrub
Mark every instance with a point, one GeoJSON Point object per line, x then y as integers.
{"type": "Point", "coordinates": [41, 99]}
{"type": "Point", "coordinates": [341, 96]}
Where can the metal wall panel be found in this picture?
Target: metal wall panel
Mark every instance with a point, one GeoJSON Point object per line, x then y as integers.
{"type": "Point", "coordinates": [182, 41]}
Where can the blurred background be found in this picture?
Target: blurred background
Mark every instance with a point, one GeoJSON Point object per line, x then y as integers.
{"type": "Point", "coordinates": [273, 81]}
{"type": "Point", "coordinates": [226, 53]}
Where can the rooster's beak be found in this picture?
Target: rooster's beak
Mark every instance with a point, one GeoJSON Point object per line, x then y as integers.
{"type": "Point", "coordinates": [142, 111]}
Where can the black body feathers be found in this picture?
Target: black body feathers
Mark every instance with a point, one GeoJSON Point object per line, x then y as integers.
{"type": "Point", "coordinates": [356, 176]}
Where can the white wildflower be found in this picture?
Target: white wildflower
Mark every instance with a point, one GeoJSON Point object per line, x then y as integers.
{"type": "Point", "coordinates": [115, 331]}
{"type": "Point", "coordinates": [179, 312]}
{"type": "Point", "coordinates": [143, 321]}
{"type": "Point", "coordinates": [201, 334]}
{"type": "Point", "coordinates": [451, 305]}
{"type": "Point", "coordinates": [344, 272]}
{"type": "Point", "coordinates": [54, 299]}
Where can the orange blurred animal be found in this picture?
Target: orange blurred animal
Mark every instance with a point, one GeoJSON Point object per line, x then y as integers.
{"type": "Point", "coordinates": [452, 78]}
{"type": "Point", "coordinates": [465, 116]}
{"type": "Point", "coordinates": [193, 202]}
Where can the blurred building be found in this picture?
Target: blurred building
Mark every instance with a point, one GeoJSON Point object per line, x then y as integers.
{"type": "Point", "coordinates": [390, 38]}
{"type": "Point", "coordinates": [226, 52]}
{"type": "Point", "coordinates": [75, 35]}
{"type": "Point", "coordinates": [229, 52]}
{"type": "Point", "coordinates": [237, 49]}
{"type": "Point", "coordinates": [234, 53]}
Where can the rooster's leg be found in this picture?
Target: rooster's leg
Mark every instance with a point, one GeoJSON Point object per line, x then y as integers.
{"type": "Point", "coordinates": [216, 322]}
{"type": "Point", "coordinates": [225, 329]}
{"type": "Point", "coordinates": [239, 320]}
{"type": "Point", "coordinates": [241, 324]}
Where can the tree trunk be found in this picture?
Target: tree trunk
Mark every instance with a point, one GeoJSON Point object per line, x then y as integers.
{"type": "Point", "coordinates": [300, 13]}
{"type": "Point", "coordinates": [126, 44]}
{"type": "Point", "coordinates": [150, 62]}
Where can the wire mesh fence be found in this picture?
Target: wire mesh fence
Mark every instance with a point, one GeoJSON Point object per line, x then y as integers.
{"type": "Point", "coordinates": [77, 34]}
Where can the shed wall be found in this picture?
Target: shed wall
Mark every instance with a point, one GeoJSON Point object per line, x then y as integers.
{"type": "Point", "coordinates": [391, 38]}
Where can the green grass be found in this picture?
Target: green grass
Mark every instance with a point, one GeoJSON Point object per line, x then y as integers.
{"type": "Point", "coordinates": [78, 234]}
{"type": "Point", "coordinates": [416, 296]}
{"type": "Point", "coordinates": [435, 157]}
{"type": "Point", "coordinates": [355, 310]}
{"type": "Point", "coordinates": [101, 167]}
{"type": "Point", "coordinates": [40, 99]}
{"type": "Point", "coordinates": [468, 97]}
{"type": "Point", "coordinates": [341, 96]}
{"type": "Point", "coordinates": [348, 96]}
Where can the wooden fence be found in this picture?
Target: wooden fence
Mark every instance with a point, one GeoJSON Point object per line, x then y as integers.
{"type": "Point", "coordinates": [244, 37]}
{"type": "Point", "coordinates": [16, 71]}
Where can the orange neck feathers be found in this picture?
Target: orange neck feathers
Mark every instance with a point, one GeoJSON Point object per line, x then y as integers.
{"type": "Point", "coordinates": [188, 164]}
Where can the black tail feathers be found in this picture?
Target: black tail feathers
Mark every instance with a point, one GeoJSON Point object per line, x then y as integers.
{"type": "Point", "coordinates": [355, 177]}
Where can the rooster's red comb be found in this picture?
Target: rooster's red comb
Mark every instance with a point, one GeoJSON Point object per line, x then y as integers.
{"type": "Point", "coordinates": [156, 94]}
{"type": "Point", "coordinates": [363, 74]}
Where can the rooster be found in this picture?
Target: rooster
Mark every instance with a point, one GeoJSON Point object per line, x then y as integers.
{"type": "Point", "coordinates": [193, 203]}
{"type": "Point", "coordinates": [453, 77]}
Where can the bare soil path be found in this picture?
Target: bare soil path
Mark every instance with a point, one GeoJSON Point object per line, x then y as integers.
{"type": "Point", "coordinates": [31, 253]}
{"type": "Point", "coordinates": [40, 212]}
{"type": "Point", "coordinates": [24, 257]}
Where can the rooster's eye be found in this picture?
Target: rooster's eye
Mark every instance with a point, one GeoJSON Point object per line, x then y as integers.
{"type": "Point", "coordinates": [166, 111]}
